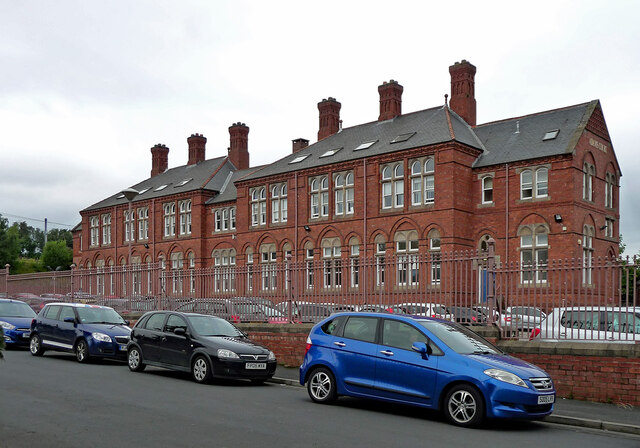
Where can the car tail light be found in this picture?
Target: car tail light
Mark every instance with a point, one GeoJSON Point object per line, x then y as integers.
{"type": "Point", "coordinates": [534, 333]}
{"type": "Point", "coordinates": [473, 318]}
{"type": "Point", "coordinates": [235, 319]}
{"type": "Point", "coordinates": [507, 319]}
{"type": "Point", "coordinates": [309, 344]}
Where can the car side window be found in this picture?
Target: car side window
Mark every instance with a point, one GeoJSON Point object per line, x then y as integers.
{"type": "Point", "coordinates": [65, 312]}
{"type": "Point", "coordinates": [333, 325]}
{"type": "Point", "coordinates": [174, 322]}
{"type": "Point", "coordinates": [155, 322]}
{"type": "Point", "coordinates": [52, 312]}
{"type": "Point", "coordinates": [401, 335]}
{"type": "Point", "coordinates": [581, 319]}
{"type": "Point", "coordinates": [361, 328]}
{"type": "Point", "coordinates": [623, 322]}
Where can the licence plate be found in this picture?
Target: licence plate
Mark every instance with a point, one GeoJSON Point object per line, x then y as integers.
{"type": "Point", "coordinates": [255, 365]}
{"type": "Point", "coordinates": [546, 399]}
{"type": "Point", "coordinates": [123, 347]}
{"type": "Point", "coordinates": [26, 335]}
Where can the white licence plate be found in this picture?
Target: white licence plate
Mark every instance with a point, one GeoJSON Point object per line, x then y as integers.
{"type": "Point", "coordinates": [255, 365]}
{"type": "Point", "coordinates": [26, 335]}
{"type": "Point", "coordinates": [123, 347]}
{"type": "Point", "coordinates": [546, 399]}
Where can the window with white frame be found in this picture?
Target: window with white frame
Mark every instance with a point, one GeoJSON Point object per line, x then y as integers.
{"type": "Point", "coordinates": [434, 251]}
{"type": "Point", "coordinates": [588, 174]}
{"type": "Point", "coordinates": [224, 219]}
{"type": "Point", "coordinates": [608, 230]}
{"type": "Point", "coordinates": [149, 277]}
{"type": "Point", "coordinates": [249, 263]}
{"type": "Point", "coordinates": [332, 263]}
{"type": "Point", "coordinates": [258, 206]}
{"type": "Point", "coordinates": [143, 223]}
{"type": "Point", "coordinates": [279, 203]}
{"type": "Point", "coordinates": [534, 252]}
{"type": "Point", "coordinates": [422, 181]}
{"type": "Point", "coordinates": [177, 263]}
{"type": "Point", "coordinates": [106, 229]}
{"type": "Point", "coordinates": [308, 257]}
{"type": "Point", "coordinates": [94, 230]}
{"type": "Point", "coordinates": [343, 193]}
{"type": "Point", "coordinates": [169, 219]}
{"type": "Point", "coordinates": [381, 248]}
{"type": "Point", "coordinates": [319, 196]}
{"type": "Point", "coordinates": [287, 256]}
{"type": "Point", "coordinates": [542, 182]}
{"type": "Point", "coordinates": [354, 262]}
{"type": "Point", "coordinates": [185, 217]}
{"type": "Point", "coordinates": [192, 277]}
{"type": "Point", "coordinates": [534, 183]}
{"type": "Point", "coordinates": [129, 225]}
{"type": "Point", "coordinates": [587, 254]}
{"type": "Point", "coordinates": [268, 267]}
{"type": "Point", "coordinates": [224, 267]}
{"type": "Point", "coordinates": [393, 186]}
{"type": "Point", "coordinates": [487, 190]}
{"type": "Point", "coordinates": [407, 245]}
{"type": "Point", "coordinates": [100, 277]}
{"type": "Point", "coordinates": [610, 181]}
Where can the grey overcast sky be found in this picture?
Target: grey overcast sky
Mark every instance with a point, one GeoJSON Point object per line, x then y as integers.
{"type": "Point", "coordinates": [87, 87]}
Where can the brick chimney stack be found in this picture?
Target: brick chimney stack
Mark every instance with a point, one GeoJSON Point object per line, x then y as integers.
{"type": "Point", "coordinates": [197, 144]}
{"type": "Point", "coordinates": [239, 149]}
{"type": "Point", "coordinates": [390, 100]}
{"type": "Point", "coordinates": [463, 101]}
{"type": "Point", "coordinates": [159, 159]}
{"type": "Point", "coordinates": [329, 117]}
{"type": "Point", "coordinates": [299, 143]}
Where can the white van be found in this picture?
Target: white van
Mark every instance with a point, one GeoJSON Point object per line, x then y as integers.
{"type": "Point", "coordinates": [590, 324]}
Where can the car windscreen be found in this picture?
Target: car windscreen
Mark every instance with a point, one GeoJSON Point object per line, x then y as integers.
{"type": "Point", "coordinates": [92, 315]}
{"type": "Point", "coordinates": [16, 309]}
{"type": "Point", "coordinates": [459, 339]}
{"type": "Point", "coordinates": [213, 326]}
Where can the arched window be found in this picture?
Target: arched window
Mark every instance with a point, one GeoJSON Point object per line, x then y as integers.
{"type": "Point", "coordinates": [534, 252]}
{"type": "Point", "coordinates": [422, 182]}
{"type": "Point", "coordinates": [526, 184]}
{"type": "Point", "coordinates": [610, 182]}
{"type": "Point", "coordinates": [407, 246]}
{"type": "Point", "coordinates": [542, 182]}
{"type": "Point", "coordinates": [487, 190]}
{"type": "Point", "coordinates": [343, 193]}
{"type": "Point", "coordinates": [308, 257]}
{"type": "Point", "coordinates": [354, 262]}
{"type": "Point", "coordinates": [258, 206]}
{"type": "Point", "coordinates": [249, 263]}
{"type": "Point", "coordinates": [268, 267]}
{"type": "Point", "coordinates": [332, 263]}
{"type": "Point", "coordinates": [393, 187]}
{"type": "Point", "coordinates": [588, 174]}
{"type": "Point", "coordinates": [587, 254]}
{"type": "Point", "coordinates": [380, 249]}
{"type": "Point", "coordinates": [319, 197]}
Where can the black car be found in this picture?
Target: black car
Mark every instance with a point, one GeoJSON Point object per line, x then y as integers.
{"type": "Point", "coordinates": [207, 346]}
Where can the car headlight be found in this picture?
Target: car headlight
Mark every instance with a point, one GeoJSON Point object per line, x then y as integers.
{"type": "Point", "coordinates": [272, 356]}
{"type": "Point", "coordinates": [507, 377]}
{"type": "Point", "coordinates": [7, 325]}
{"type": "Point", "coordinates": [224, 353]}
{"type": "Point", "coordinates": [101, 337]}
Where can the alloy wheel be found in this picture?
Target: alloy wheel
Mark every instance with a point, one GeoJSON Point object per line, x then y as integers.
{"type": "Point", "coordinates": [462, 407]}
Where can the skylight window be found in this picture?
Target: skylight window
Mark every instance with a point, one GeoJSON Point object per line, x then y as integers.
{"type": "Point", "coordinates": [403, 137]}
{"type": "Point", "coordinates": [120, 196]}
{"type": "Point", "coordinates": [550, 135]}
{"type": "Point", "coordinates": [183, 183]}
{"type": "Point", "coordinates": [365, 145]}
{"type": "Point", "coordinates": [299, 159]}
{"type": "Point", "coordinates": [330, 152]}
{"type": "Point", "coordinates": [161, 187]}
{"type": "Point", "coordinates": [143, 191]}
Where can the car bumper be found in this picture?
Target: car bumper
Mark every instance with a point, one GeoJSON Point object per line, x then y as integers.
{"type": "Point", "coordinates": [17, 338]}
{"type": "Point", "coordinates": [113, 350]}
{"type": "Point", "coordinates": [508, 401]}
{"type": "Point", "coordinates": [237, 369]}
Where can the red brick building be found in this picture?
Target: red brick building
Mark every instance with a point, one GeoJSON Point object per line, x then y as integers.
{"type": "Point", "coordinates": [544, 186]}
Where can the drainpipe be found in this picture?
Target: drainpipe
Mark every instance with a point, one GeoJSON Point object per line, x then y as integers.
{"type": "Point", "coordinates": [364, 234]}
{"type": "Point", "coordinates": [506, 215]}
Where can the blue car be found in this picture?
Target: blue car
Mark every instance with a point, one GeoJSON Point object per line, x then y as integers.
{"type": "Point", "coordinates": [424, 362]}
{"type": "Point", "coordinates": [89, 331]}
{"type": "Point", "coordinates": [15, 320]}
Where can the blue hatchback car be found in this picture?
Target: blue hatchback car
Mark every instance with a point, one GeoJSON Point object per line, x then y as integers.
{"type": "Point", "coordinates": [424, 362]}
{"type": "Point", "coordinates": [15, 320]}
{"type": "Point", "coordinates": [86, 330]}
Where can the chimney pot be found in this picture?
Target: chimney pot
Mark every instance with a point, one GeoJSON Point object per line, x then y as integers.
{"type": "Point", "coordinates": [239, 148]}
{"type": "Point", "coordinates": [463, 101]}
{"type": "Point", "coordinates": [299, 143]}
{"type": "Point", "coordinates": [329, 109]}
{"type": "Point", "coordinates": [159, 159]}
{"type": "Point", "coordinates": [390, 100]}
{"type": "Point", "coordinates": [197, 147]}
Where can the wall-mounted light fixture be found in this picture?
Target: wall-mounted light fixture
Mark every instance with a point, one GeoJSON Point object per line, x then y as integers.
{"type": "Point", "coordinates": [603, 227]}
{"type": "Point", "coordinates": [557, 217]}
{"type": "Point", "coordinates": [146, 246]}
{"type": "Point", "coordinates": [307, 228]}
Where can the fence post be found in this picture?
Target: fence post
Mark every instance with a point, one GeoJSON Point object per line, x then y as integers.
{"type": "Point", "coordinates": [491, 269]}
{"type": "Point", "coordinates": [6, 279]}
{"type": "Point", "coordinates": [73, 267]}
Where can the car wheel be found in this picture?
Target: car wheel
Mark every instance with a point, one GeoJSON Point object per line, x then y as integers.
{"type": "Point", "coordinates": [464, 406]}
{"type": "Point", "coordinates": [322, 386]}
{"type": "Point", "coordinates": [134, 360]}
{"type": "Point", "coordinates": [35, 345]}
{"type": "Point", "coordinates": [82, 351]}
{"type": "Point", "coordinates": [201, 370]}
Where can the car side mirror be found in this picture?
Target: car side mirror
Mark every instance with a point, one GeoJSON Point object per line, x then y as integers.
{"type": "Point", "coordinates": [180, 331]}
{"type": "Point", "coordinates": [126, 322]}
{"type": "Point", "coordinates": [70, 320]}
{"type": "Point", "coordinates": [421, 348]}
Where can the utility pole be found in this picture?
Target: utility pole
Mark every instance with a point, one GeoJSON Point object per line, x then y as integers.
{"type": "Point", "coordinates": [45, 232]}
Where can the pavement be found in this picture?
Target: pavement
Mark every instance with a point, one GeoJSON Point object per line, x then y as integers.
{"type": "Point", "coordinates": [585, 414]}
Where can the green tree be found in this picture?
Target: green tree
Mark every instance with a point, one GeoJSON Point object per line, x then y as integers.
{"type": "Point", "coordinates": [56, 255]}
{"type": "Point", "coordinates": [31, 240]}
{"type": "Point", "coordinates": [61, 234]}
{"type": "Point", "coordinates": [9, 243]}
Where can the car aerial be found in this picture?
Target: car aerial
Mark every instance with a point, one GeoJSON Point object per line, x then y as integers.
{"type": "Point", "coordinates": [425, 362]}
{"type": "Point", "coordinates": [15, 320]}
{"type": "Point", "coordinates": [89, 331]}
{"type": "Point", "coordinates": [207, 346]}
{"type": "Point", "coordinates": [590, 324]}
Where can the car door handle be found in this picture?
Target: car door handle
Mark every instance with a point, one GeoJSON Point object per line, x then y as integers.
{"type": "Point", "coordinates": [387, 352]}
{"type": "Point", "coordinates": [163, 339]}
{"type": "Point", "coordinates": [340, 344]}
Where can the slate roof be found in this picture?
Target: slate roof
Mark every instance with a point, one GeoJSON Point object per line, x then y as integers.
{"type": "Point", "coordinates": [201, 176]}
{"type": "Point", "coordinates": [429, 127]}
{"type": "Point", "coordinates": [521, 138]}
